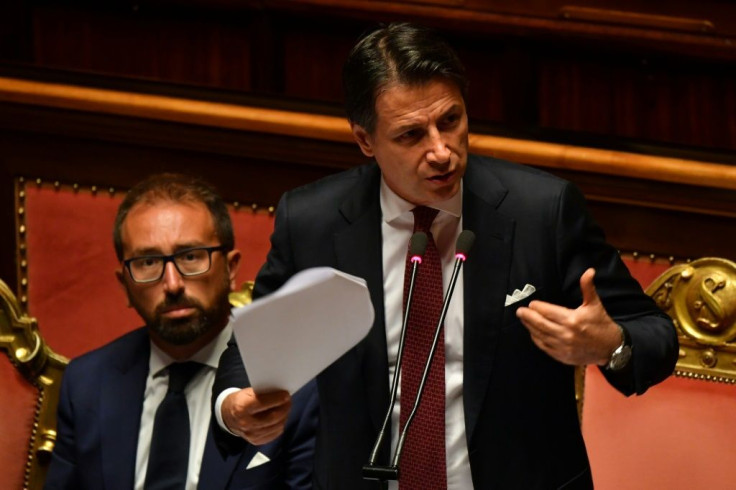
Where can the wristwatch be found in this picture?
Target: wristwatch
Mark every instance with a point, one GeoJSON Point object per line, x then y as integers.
{"type": "Point", "coordinates": [621, 356]}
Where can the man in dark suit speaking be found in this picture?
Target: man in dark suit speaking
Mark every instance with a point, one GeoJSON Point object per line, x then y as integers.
{"type": "Point", "coordinates": [135, 413]}
{"type": "Point", "coordinates": [541, 292]}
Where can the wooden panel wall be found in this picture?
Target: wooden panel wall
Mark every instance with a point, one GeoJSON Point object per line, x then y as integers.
{"type": "Point", "coordinates": [597, 72]}
{"type": "Point", "coordinates": [648, 78]}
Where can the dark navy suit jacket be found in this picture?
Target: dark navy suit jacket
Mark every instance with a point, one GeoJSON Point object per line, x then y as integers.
{"type": "Point", "coordinates": [521, 422]}
{"type": "Point", "coordinates": [99, 418]}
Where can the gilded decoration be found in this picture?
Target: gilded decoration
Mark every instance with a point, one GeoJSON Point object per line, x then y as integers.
{"type": "Point", "coordinates": [242, 296]}
{"type": "Point", "coordinates": [701, 299]}
{"type": "Point", "coordinates": [20, 338]}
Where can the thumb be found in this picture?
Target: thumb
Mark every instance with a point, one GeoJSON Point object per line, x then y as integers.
{"type": "Point", "coordinates": [587, 287]}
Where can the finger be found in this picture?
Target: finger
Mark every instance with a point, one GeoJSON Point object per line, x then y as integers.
{"type": "Point", "coordinates": [263, 424]}
{"type": "Point", "coordinates": [587, 287]}
{"type": "Point", "coordinates": [537, 324]}
{"type": "Point", "coordinates": [554, 313]}
{"type": "Point", "coordinates": [269, 401]}
{"type": "Point", "coordinates": [263, 437]}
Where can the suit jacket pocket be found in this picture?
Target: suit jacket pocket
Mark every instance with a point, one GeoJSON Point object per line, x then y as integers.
{"type": "Point", "coordinates": [509, 312]}
{"type": "Point", "coordinates": [264, 476]}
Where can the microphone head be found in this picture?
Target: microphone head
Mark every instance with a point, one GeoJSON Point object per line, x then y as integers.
{"type": "Point", "coordinates": [418, 244]}
{"type": "Point", "coordinates": [464, 244]}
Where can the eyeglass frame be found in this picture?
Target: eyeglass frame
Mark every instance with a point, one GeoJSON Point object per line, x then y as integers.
{"type": "Point", "coordinates": [171, 258]}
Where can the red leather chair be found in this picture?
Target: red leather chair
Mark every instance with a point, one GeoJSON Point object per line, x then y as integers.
{"type": "Point", "coordinates": [679, 434]}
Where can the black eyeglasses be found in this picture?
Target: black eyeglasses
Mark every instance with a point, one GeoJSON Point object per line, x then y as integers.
{"type": "Point", "coordinates": [189, 262]}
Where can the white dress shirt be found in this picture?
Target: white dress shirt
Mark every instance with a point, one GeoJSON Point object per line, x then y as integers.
{"type": "Point", "coordinates": [397, 227]}
{"type": "Point", "coordinates": [198, 393]}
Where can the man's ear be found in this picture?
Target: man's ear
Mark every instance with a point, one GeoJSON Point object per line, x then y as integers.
{"type": "Point", "coordinates": [233, 264]}
{"type": "Point", "coordinates": [363, 138]}
{"type": "Point", "coordinates": [119, 275]}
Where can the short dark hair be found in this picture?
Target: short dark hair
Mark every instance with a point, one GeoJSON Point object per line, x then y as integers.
{"type": "Point", "coordinates": [400, 52]}
{"type": "Point", "coordinates": [176, 188]}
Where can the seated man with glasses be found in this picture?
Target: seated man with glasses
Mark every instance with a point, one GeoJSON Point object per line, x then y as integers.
{"type": "Point", "coordinates": [135, 413]}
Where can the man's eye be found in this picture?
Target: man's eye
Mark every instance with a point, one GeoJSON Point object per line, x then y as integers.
{"type": "Point", "coordinates": [190, 256]}
{"type": "Point", "coordinates": [451, 120]}
{"type": "Point", "coordinates": [146, 262]}
{"type": "Point", "coordinates": [412, 134]}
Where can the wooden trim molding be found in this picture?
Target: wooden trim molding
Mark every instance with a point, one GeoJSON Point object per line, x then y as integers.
{"type": "Point", "coordinates": [336, 129]}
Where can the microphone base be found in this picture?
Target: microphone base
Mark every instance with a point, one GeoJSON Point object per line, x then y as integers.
{"type": "Point", "coordinates": [381, 473]}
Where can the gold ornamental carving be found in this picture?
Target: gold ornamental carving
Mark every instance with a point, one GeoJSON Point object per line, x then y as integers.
{"type": "Point", "coordinates": [26, 349]}
{"type": "Point", "coordinates": [701, 299]}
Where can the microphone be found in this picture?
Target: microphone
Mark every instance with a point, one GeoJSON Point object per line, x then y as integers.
{"type": "Point", "coordinates": [462, 246]}
{"type": "Point", "coordinates": [417, 247]}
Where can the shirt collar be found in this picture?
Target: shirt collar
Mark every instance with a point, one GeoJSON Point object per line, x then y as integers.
{"type": "Point", "coordinates": [208, 355]}
{"type": "Point", "coordinates": [393, 206]}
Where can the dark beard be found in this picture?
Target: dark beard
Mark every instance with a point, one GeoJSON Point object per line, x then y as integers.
{"type": "Point", "coordinates": [182, 331]}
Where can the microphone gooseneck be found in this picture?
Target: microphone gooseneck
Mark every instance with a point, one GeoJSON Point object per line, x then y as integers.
{"type": "Point", "coordinates": [462, 246]}
{"type": "Point", "coordinates": [370, 471]}
{"type": "Point", "coordinates": [417, 247]}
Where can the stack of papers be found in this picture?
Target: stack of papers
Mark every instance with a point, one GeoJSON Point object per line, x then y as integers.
{"type": "Point", "coordinates": [291, 335]}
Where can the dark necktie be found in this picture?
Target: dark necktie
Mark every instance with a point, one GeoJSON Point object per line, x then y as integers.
{"type": "Point", "coordinates": [169, 456]}
{"type": "Point", "coordinates": [422, 465]}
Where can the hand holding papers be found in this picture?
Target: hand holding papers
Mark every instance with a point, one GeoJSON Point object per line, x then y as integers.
{"type": "Point", "coordinates": [289, 336]}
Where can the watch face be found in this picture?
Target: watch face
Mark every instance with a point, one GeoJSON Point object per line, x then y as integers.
{"type": "Point", "coordinates": [620, 358]}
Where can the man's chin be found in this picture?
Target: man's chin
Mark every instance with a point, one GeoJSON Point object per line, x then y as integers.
{"type": "Point", "coordinates": [180, 332]}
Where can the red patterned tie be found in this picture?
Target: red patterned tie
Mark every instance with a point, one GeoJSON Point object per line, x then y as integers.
{"type": "Point", "coordinates": [422, 465]}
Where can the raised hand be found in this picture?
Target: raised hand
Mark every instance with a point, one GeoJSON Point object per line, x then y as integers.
{"type": "Point", "coordinates": [584, 335]}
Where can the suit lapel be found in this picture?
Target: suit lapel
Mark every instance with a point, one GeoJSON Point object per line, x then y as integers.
{"type": "Point", "coordinates": [217, 470]}
{"type": "Point", "coordinates": [485, 280]}
{"type": "Point", "coordinates": [358, 250]}
{"type": "Point", "coordinates": [119, 424]}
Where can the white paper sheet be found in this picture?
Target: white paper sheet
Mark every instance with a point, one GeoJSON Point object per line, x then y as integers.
{"type": "Point", "coordinates": [291, 335]}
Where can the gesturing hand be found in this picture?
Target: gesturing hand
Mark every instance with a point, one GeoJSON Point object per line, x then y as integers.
{"type": "Point", "coordinates": [584, 335]}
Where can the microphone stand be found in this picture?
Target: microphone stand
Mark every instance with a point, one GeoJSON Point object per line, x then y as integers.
{"type": "Point", "coordinates": [417, 247]}
{"type": "Point", "coordinates": [384, 473]}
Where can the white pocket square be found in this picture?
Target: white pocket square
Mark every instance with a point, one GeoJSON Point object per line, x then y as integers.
{"type": "Point", "coordinates": [517, 295]}
{"type": "Point", "coordinates": [257, 460]}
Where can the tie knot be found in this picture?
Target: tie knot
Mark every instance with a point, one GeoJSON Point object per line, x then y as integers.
{"type": "Point", "coordinates": [423, 217]}
{"type": "Point", "coordinates": [180, 373]}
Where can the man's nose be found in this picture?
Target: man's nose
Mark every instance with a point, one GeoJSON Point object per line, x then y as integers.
{"type": "Point", "coordinates": [439, 153]}
{"type": "Point", "coordinates": [173, 281]}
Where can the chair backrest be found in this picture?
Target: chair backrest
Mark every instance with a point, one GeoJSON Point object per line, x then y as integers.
{"type": "Point", "coordinates": [676, 436]}
{"type": "Point", "coordinates": [66, 262]}
{"type": "Point", "coordinates": [68, 254]}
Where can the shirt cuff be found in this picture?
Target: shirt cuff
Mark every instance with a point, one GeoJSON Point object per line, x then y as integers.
{"type": "Point", "coordinates": [218, 409]}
